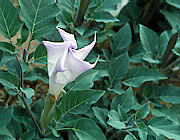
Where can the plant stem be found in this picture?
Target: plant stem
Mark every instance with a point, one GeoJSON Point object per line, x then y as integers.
{"type": "Point", "coordinates": [81, 12]}
{"type": "Point", "coordinates": [21, 95]}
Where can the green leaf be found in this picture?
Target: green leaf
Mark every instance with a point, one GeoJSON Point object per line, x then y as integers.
{"type": "Point", "coordinates": [162, 42]}
{"type": "Point", "coordinates": [7, 47]}
{"type": "Point", "coordinates": [101, 114]}
{"type": "Point", "coordinates": [149, 58]}
{"type": "Point", "coordinates": [13, 67]}
{"type": "Point", "coordinates": [175, 3]}
{"type": "Point", "coordinates": [37, 73]}
{"type": "Point", "coordinates": [87, 129]}
{"type": "Point", "coordinates": [115, 120]}
{"type": "Point", "coordinates": [130, 137]}
{"type": "Point", "coordinates": [8, 80]}
{"type": "Point", "coordinates": [29, 134]}
{"type": "Point", "coordinates": [107, 5]}
{"type": "Point", "coordinates": [138, 75]}
{"type": "Point", "coordinates": [84, 81]}
{"type": "Point", "coordinates": [163, 126]}
{"type": "Point", "coordinates": [122, 113]}
{"type": "Point", "coordinates": [29, 92]}
{"type": "Point", "coordinates": [121, 40]}
{"type": "Point", "coordinates": [176, 49]}
{"type": "Point", "coordinates": [118, 68]}
{"type": "Point", "coordinates": [142, 131]}
{"type": "Point", "coordinates": [149, 39]}
{"type": "Point", "coordinates": [9, 19]}
{"type": "Point", "coordinates": [143, 111]}
{"type": "Point", "coordinates": [166, 112]}
{"type": "Point", "coordinates": [176, 111]}
{"type": "Point", "coordinates": [104, 17]}
{"type": "Point", "coordinates": [39, 16]}
{"type": "Point", "coordinates": [14, 128]}
{"type": "Point", "coordinates": [125, 100]}
{"type": "Point", "coordinates": [79, 102]}
{"type": "Point", "coordinates": [170, 94]}
{"type": "Point", "coordinates": [5, 115]}
{"type": "Point", "coordinates": [6, 57]}
{"type": "Point", "coordinates": [24, 36]}
{"type": "Point", "coordinates": [172, 16]}
{"type": "Point", "coordinates": [5, 134]}
{"type": "Point", "coordinates": [40, 55]}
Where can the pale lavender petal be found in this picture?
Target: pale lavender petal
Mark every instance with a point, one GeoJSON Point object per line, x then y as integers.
{"type": "Point", "coordinates": [76, 67]}
{"type": "Point", "coordinates": [60, 65]}
{"type": "Point", "coordinates": [82, 53]}
{"type": "Point", "coordinates": [67, 37]}
{"type": "Point", "coordinates": [54, 52]}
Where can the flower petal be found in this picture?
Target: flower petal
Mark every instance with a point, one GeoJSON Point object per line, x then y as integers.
{"type": "Point", "coordinates": [68, 37]}
{"type": "Point", "coordinates": [54, 52]}
{"type": "Point", "coordinates": [82, 53]}
{"type": "Point", "coordinates": [76, 67]}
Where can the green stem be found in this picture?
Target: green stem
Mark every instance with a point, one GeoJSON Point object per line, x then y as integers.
{"type": "Point", "coordinates": [81, 12]}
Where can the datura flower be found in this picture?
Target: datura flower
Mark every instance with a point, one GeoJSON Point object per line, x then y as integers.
{"type": "Point", "coordinates": [65, 63]}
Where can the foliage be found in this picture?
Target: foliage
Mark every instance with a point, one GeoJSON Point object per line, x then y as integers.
{"type": "Point", "coordinates": [132, 92]}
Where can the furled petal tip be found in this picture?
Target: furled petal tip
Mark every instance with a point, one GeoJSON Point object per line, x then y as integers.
{"type": "Point", "coordinates": [67, 37]}
{"type": "Point", "coordinates": [65, 63]}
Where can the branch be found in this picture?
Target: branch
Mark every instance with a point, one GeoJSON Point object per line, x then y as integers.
{"type": "Point", "coordinates": [81, 12]}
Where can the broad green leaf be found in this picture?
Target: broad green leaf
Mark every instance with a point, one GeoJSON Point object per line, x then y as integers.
{"type": "Point", "coordinates": [142, 131]}
{"type": "Point", "coordinates": [176, 49]}
{"type": "Point", "coordinates": [13, 67]}
{"type": "Point", "coordinates": [130, 137]}
{"type": "Point", "coordinates": [121, 40]}
{"type": "Point", "coordinates": [143, 111]}
{"type": "Point", "coordinates": [9, 19]}
{"type": "Point", "coordinates": [170, 94]}
{"type": "Point", "coordinates": [172, 16]}
{"type": "Point", "coordinates": [79, 102]}
{"type": "Point", "coordinates": [166, 112]}
{"type": "Point", "coordinates": [5, 134]}
{"type": "Point", "coordinates": [125, 100]}
{"type": "Point", "coordinates": [175, 3]}
{"type": "Point", "coordinates": [130, 14]}
{"type": "Point", "coordinates": [68, 5]}
{"type": "Point", "coordinates": [84, 81]}
{"type": "Point", "coordinates": [104, 17]}
{"type": "Point", "coordinates": [149, 58]}
{"type": "Point", "coordinates": [6, 57]}
{"type": "Point", "coordinates": [122, 113]}
{"type": "Point", "coordinates": [5, 115]}
{"type": "Point", "coordinates": [176, 111]}
{"type": "Point", "coordinates": [107, 5]}
{"type": "Point", "coordinates": [37, 73]}
{"type": "Point", "coordinates": [8, 80]}
{"type": "Point", "coordinates": [29, 92]}
{"type": "Point", "coordinates": [39, 16]}
{"type": "Point", "coordinates": [162, 42]}
{"type": "Point", "coordinates": [149, 39]}
{"type": "Point", "coordinates": [118, 68]}
{"type": "Point", "coordinates": [163, 126]}
{"type": "Point", "coordinates": [40, 55]}
{"type": "Point", "coordinates": [14, 128]}
{"type": "Point", "coordinates": [87, 129]}
{"type": "Point", "coordinates": [138, 75]}
{"type": "Point", "coordinates": [24, 36]}
{"type": "Point", "coordinates": [101, 114]}
{"type": "Point", "coordinates": [29, 134]}
{"type": "Point", "coordinates": [7, 47]}
{"type": "Point", "coordinates": [115, 120]}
